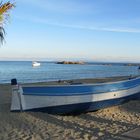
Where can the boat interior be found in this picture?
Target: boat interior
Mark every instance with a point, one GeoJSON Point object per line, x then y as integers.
{"type": "Point", "coordinates": [82, 81]}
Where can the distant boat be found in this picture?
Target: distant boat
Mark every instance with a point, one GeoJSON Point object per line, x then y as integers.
{"type": "Point", "coordinates": [35, 64]}
{"type": "Point", "coordinates": [64, 99]}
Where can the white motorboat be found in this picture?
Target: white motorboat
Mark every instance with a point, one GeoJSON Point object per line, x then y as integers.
{"type": "Point", "coordinates": [35, 64]}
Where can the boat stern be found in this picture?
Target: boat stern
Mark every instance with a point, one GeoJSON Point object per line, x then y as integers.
{"type": "Point", "coordinates": [16, 96]}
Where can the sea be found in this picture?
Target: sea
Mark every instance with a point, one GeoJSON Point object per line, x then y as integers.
{"type": "Point", "coordinates": [51, 71]}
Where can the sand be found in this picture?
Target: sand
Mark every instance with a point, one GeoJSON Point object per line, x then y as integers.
{"type": "Point", "coordinates": [109, 123]}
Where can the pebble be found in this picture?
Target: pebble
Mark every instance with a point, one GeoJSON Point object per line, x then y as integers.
{"type": "Point", "coordinates": [93, 138]}
{"type": "Point", "coordinates": [100, 134]}
{"type": "Point", "coordinates": [86, 137]}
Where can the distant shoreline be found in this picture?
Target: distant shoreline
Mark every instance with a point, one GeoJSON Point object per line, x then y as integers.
{"type": "Point", "coordinates": [85, 62]}
{"type": "Point", "coordinates": [98, 63]}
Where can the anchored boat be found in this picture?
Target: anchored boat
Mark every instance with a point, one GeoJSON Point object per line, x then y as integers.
{"type": "Point", "coordinates": [35, 64]}
{"type": "Point", "coordinates": [64, 99]}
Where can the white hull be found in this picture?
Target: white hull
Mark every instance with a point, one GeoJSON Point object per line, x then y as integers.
{"type": "Point", "coordinates": [35, 64]}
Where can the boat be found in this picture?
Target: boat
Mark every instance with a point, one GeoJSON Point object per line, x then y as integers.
{"type": "Point", "coordinates": [35, 64]}
{"type": "Point", "coordinates": [65, 99]}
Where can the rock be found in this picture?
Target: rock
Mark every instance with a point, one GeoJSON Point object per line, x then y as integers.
{"type": "Point", "coordinates": [70, 62]}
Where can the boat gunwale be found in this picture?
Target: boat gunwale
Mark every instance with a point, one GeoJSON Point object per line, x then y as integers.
{"type": "Point", "coordinates": [85, 84]}
{"type": "Point", "coordinates": [79, 94]}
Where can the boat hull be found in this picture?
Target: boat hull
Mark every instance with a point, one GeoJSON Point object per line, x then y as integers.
{"type": "Point", "coordinates": [85, 107]}
{"type": "Point", "coordinates": [74, 98]}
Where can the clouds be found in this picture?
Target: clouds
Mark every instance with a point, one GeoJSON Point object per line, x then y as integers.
{"type": "Point", "coordinates": [99, 15]}
{"type": "Point", "coordinates": [74, 26]}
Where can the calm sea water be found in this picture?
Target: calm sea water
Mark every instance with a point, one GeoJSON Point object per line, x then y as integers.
{"type": "Point", "coordinates": [49, 71]}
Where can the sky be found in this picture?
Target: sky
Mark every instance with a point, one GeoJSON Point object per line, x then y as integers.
{"type": "Point", "coordinates": [90, 30]}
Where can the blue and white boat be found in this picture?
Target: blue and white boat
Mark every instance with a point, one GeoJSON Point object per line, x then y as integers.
{"type": "Point", "coordinates": [64, 99]}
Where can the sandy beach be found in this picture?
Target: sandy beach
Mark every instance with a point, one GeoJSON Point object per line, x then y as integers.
{"type": "Point", "coordinates": [110, 123]}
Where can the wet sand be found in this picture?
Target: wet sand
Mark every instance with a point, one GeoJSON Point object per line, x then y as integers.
{"type": "Point", "coordinates": [110, 123]}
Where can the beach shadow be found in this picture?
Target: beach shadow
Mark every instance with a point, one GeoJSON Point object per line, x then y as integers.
{"type": "Point", "coordinates": [110, 123]}
{"type": "Point", "coordinates": [5, 107]}
{"type": "Point", "coordinates": [132, 106]}
{"type": "Point", "coordinates": [83, 129]}
{"type": "Point", "coordinates": [103, 120]}
{"type": "Point", "coordinates": [65, 124]}
{"type": "Point", "coordinates": [123, 137]}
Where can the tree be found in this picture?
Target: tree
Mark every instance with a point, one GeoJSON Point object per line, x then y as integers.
{"type": "Point", "coordinates": [4, 14]}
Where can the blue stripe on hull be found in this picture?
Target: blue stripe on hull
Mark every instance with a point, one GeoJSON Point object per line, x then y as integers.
{"type": "Point", "coordinates": [70, 90]}
{"type": "Point", "coordinates": [85, 107]}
